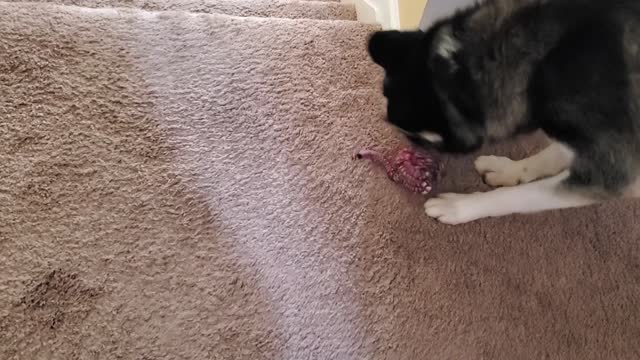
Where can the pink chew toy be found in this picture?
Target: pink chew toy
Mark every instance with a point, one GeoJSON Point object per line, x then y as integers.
{"type": "Point", "coordinates": [415, 170]}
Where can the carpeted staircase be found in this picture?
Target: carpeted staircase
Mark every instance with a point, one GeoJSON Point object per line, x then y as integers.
{"type": "Point", "coordinates": [176, 182]}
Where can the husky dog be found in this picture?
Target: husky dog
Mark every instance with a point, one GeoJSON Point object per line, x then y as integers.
{"type": "Point", "coordinates": [570, 68]}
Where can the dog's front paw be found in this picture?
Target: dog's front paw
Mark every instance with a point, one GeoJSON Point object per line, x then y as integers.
{"type": "Point", "coordinates": [501, 171]}
{"type": "Point", "coordinates": [452, 209]}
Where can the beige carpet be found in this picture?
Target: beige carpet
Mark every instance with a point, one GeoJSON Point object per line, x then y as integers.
{"type": "Point", "coordinates": [179, 186]}
{"type": "Point", "coordinates": [293, 9]}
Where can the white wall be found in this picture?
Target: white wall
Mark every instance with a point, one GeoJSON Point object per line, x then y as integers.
{"type": "Point", "coordinates": [437, 9]}
{"type": "Point", "coordinates": [399, 14]}
{"type": "Point", "coordinates": [383, 12]}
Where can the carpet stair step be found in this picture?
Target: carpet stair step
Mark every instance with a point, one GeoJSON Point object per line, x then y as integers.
{"type": "Point", "coordinates": [293, 9]}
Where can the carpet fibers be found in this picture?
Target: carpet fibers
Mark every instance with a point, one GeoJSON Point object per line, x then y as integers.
{"type": "Point", "coordinates": [178, 185]}
{"type": "Point", "coordinates": [321, 10]}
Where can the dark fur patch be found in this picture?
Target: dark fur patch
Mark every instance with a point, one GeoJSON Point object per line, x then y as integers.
{"type": "Point", "coordinates": [580, 95]}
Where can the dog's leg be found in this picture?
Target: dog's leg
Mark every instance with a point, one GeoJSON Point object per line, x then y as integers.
{"type": "Point", "coordinates": [502, 171]}
{"type": "Point", "coordinates": [547, 194]}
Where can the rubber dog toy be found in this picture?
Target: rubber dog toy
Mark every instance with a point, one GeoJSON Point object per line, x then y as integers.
{"type": "Point", "coordinates": [415, 170]}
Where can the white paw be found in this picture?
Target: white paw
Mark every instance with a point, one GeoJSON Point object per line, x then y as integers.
{"type": "Point", "coordinates": [452, 209]}
{"type": "Point", "coordinates": [502, 171]}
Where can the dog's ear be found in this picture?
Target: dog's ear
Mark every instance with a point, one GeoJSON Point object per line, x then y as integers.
{"type": "Point", "coordinates": [389, 48]}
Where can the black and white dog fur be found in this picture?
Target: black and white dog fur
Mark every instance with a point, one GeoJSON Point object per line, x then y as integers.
{"type": "Point", "coordinates": [505, 67]}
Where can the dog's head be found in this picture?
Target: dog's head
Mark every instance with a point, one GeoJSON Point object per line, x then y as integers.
{"type": "Point", "coordinates": [431, 96]}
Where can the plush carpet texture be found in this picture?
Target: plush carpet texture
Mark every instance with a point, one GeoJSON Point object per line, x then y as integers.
{"type": "Point", "coordinates": [180, 186]}
{"type": "Point", "coordinates": [321, 10]}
